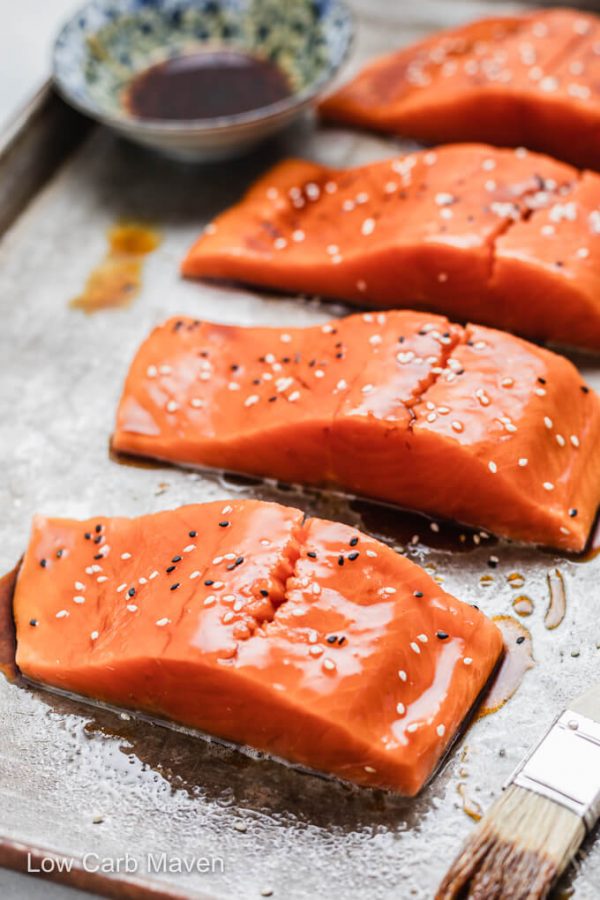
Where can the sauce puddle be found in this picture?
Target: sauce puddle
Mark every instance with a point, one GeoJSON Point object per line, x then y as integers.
{"type": "Point", "coordinates": [518, 659]}
{"type": "Point", "coordinates": [557, 606]}
{"type": "Point", "coordinates": [206, 85]}
{"type": "Point", "coordinates": [523, 605]}
{"type": "Point", "coordinates": [118, 278]}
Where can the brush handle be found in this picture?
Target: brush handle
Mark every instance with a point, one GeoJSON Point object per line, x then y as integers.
{"type": "Point", "coordinates": [565, 765]}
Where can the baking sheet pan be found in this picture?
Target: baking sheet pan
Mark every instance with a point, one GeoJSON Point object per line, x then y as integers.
{"type": "Point", "coordinates": [74, 779]}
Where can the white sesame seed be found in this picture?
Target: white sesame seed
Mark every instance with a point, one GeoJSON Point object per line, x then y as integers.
{"type": "Point", "coordinates": [151, 371]}
{"type": "Point", "coordinates": [101, 579]}
{"type": "Point", "coordinates": [415, 647]}
{"type": "Point", "coordinates": [423, 638]}
{"type": "Point", "coordinates": [467, 660]}
{"type": "Point", "coordinates": [369, 769]}
{"type": "Point", "coordinates": [78, 599]}
{"type": "Point", "coordinates": [548, 422]}
{"type": "Point", "coordinates": [492, 467]}
{"type": "Point", "coordinates": [560, 440]}
{"type": "Point", "coordinates": [402, 675]}
{"type": "Point", "coordinates": [121, 588]}
{"type": "Point", "coordinates": [441, 730]}
{"type": "Point", "coordinates": [412, 727]}
{"type": "Point", "coordinates": [523, 462]}
{"type": "Point", "coordinates": [574, 440]}
{"type": "Point", "coordinates": [280, 243]}
{"type": "Point", "coordinates": [251, 400]}
{"type": "Point", "coordinates": [162, 622]}
{"type": "Point", "coordinates": [210, 600]}
{"type": "Point", "coordinates": [295, 395]}
{"type": "Point", "coordinates": [142, 580]}
{"type": "Point", "coordinates": [329, 665]}
{"type": "Point", "coordinates": [132, 607]}
{"type": "Point", "coordinates": [400, 709]}
{"type": "Point", "coordinates": [172, 406]}
{"type": "Point", "coordinates": [298, 235]}
{"type": "Point", "coordinates": [125, 555]}
{"type": "Point", "coordinates": [368, 227]}
{"type": "Point", "coordinates": [457, 426]}
{"type": "Point", "coordinates": [189, 548]}
{"type": "Point", "coordinates": [548, 486]}
{"type": "Point", "coordinates": [541, 392]}
{"type": "Point", "coordinates": [153, 575]}
{"type": "Point", "coordinates": [95, 635]}
{"type": "Point", "coordinates": [370, 553]}
{"type": "Point", "coordinates": [61, 614]}
{"type": "Point", "coordinates": [79, 586]}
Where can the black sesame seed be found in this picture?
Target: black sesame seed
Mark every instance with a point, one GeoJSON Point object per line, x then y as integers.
{"type": "Point", "coordinates": [474, 605]}
{"type": "Point", "coordinates": [98, 539]}
{"type": "Point", "coordinates": [208, 582]}
{"type": "Point", "coordinates": [98, 529]}
{"type": "Point", "coordinates": [43, 563]}
{"type": "Point", "coordinates": [176, 559]}
{"type": "Point", "coordinates": [585, 389]}
{"type": "Point", "coordinates": [224, 524]}
{"type": "Point", "coordinates": [175, 586]}
{"type": "Point", "coordinates": [573, 512]}
{"type": "Point", "coordinates": [170, 569]}
{"type": "Point", "coordinates": [339, 355]}
{"type": "Point", "coordinates": [341, 640]}
{"type": "Point", "coordinates": [542, 380]}
{"type": "Point", "coordinates": [59, 553]}
{"type": "Point", "coordinates": [354, 555]}
{"type": "Point", "coordinates": [98, 555]}
{"type": "Point", "coordinates": [272, 399]}
{"type": "Point", "coordinates": [401, 339]}
{"type": "Point", "coordinates": [340, 560]}
{"type": "Point", "coordinates": [87, 535]}
{"type": "Point", "coordinates": [418, 594]}
{"type": "Point", "coordinates": [332, 639]}
{"type": "Point", "coordinates": [131, 592]}
{"type": "Point", "coordinates": [192, 533]}
{"type": "Point", "coordinates": [520, 639]}
{"type": "Point", "coordinates": [442, 635]}
{"type": "Point", "coordinates": [239, 560]}
{"type": "Point", "coordinates": [234, 367]}
{"type": "Point", "coordinates": [353, 541]}
{"type": "Point", "coordinates": [312, 554]}
{"type": "Point", "coordinates": [264, 593]}
{"type": "Point", "coordinates": [33, 622]}
{"type": "Point", "coordinates": [493, 562]}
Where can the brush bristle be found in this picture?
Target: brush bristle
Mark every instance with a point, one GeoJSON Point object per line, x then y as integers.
{"type": "Point", "coordinates": [518, 850]}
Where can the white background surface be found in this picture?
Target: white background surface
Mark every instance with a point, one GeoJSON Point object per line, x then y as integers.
{"type": "Point", "coordinates": [27, 31]}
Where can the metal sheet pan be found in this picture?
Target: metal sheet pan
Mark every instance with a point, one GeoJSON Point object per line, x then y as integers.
{"type": "Point", "coordinates": [75, 780]}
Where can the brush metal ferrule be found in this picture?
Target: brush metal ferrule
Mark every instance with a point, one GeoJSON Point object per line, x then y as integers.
{"type": "Point", "coordinates": [565, 766]}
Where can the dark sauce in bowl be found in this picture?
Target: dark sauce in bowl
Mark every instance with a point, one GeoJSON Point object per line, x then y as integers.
{"type": "Point", "coordinates": [206, 85]}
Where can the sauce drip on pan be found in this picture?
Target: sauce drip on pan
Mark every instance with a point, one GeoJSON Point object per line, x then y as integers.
{"type": "Point", "coordinates": [557, 607]}
{"type": "Point", "coordinates": [206, 86]}
{"type": "Point", "coordinates": [518, 659]}
{"type": "Point", "coordinates": [117, 280]}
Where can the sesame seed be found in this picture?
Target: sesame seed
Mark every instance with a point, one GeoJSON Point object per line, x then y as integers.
{"type": "Point", "coordinates": [189, 548]}
{"type": "Point", "coordinates": [329, 665]}
{"type": "Point", "coordinates": [370, 769]}
{"type": "Point", "coordinates": [467, 660]}
{"type": "Point", "coordinates": [412, 727]}
{"type": "Point", "coordinates": [223, 524]}
{"type": "Point", "coordinates": [78, 599]}
{"type": "Point", "coordinates": [101, 579]}
{"type": "Point", "coordinates": [442, 635]}
{"type": "Point", "coordinates": [125, 555]}
{"type": "Point", "coordinates": [79, 586]}
{"type": "Point", "coordinates": [402, 675]}
{"type": "Point", "coordinates": [400, 709]}
{"type": "Point", "coordinates": [548, 422]}
{"type": "Point", "coordinates": [121, 588]}
{"type": "Point", "coordinates": [492, 467]}
{"type": "Point", "coordinates": [548, 486]}
{"type": "Point", "coordinates": [94, 635]}
{"type": "Point", "coordinates": [132, 607]}
{"type": "Point", "coordinates": [175, 586]}
{"type": "Point", "coordinates": [162, 622]}
{"type": "Point", "coordinates": [523, 462]}
{"type": "Point", "coordinates": [441, 730]}
{"type": "Point", "coordinates": [151, 371]}
{"type": "Point", "coordinates": [251, 400]}
{"type": "Point", "coordinates": [131, 592]}
{"type": "Point", "coordinates": [423, 638]}
{"type": "Point", "coordinates": [172, 406]}
{"type": "Point", "coordinates": [153, 575]}
{"type": "Point", "coordinates": [61, 614]}
{"type": "Point", "coordinates": [415, 647]}
{"type": "Point", "coordinates": [368, 227]}
{"type": "Point", "coordinates": [574, 440]}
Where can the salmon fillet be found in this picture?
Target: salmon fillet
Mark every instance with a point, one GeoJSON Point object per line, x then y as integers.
{"type": "Point", "coordinates": [466, 423]}
{"type": "Point", "coordinates": [302, 638]}
{"type": "Point", "coordinates": [529, 80]}
{"type": "Point", "coordinates": [501, 237]}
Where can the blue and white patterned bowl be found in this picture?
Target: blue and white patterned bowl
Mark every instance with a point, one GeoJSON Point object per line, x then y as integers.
{"type": "Point", "coordinates": [108, 42]}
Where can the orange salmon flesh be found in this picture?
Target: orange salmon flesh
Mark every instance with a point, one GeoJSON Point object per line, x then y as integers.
{"type": "Point", "coordinates": [467, 423]}
{"type": "Point", "coordinates": [501, 237]}
{"type": "Point", "coordinates": [300, 637]}
{"type": "Point", "coordinates": [529, 80]}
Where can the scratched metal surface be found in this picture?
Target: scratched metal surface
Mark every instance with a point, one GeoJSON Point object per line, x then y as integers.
{"type": "Point", "coordinates": [65, 766]}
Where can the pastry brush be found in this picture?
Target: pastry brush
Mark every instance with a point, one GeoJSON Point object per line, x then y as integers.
{"type": "Point", "coordinates": [533, 830]}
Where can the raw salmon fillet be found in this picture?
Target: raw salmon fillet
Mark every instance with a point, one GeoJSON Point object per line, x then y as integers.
{"type": "Point", "coordinates": [501, 237]}
{"type": "Point", "coordinates": [302, 638]}
{"type": "Point", "coordinates": [529, 80]}
{"type": "Point", "coordinates": [466, 423]}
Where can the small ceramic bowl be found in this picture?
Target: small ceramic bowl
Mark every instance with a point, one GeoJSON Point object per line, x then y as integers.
{"type": "Point", "coordinates": [108, 42]}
